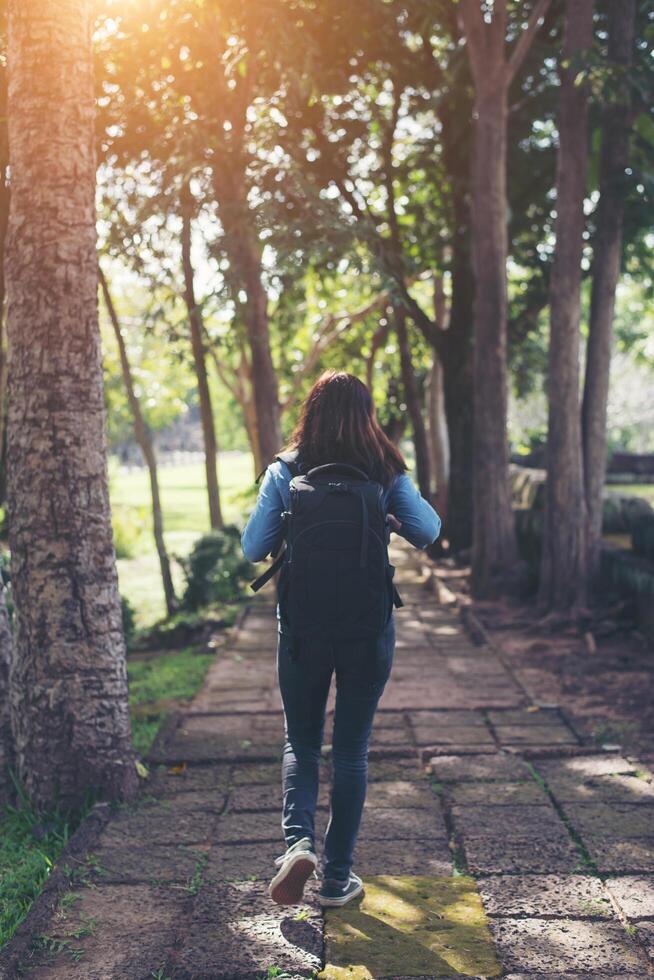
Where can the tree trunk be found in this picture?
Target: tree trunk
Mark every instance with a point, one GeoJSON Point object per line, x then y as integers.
{"type": "Point", "coordinates": [245, 259]}
{"type": "Point", "coordinates": [204, 395]}
{"type": "Point", "coordinates": [413, 402]}
{"type": "Point", "coordinates": [4, 217]}
{"type": "Point", "coordinates": [6, 739]}
{"type": "Point", "coordinates": [607, 253]}
{"type": "Point", "coordinates": [437, 435]}
{"type": "Point", "coordinates": [456, 349]}
{"type": "Point", "coordinates": [494, 547]}
{"type": "Point", "coordinates": [68, 680]}
{"type": "Point", "coordinates": [144, 439]}
{"type": "Point", "coordinates": [563, 582]}
{"type": "Point", "coordinates": [493, 66]}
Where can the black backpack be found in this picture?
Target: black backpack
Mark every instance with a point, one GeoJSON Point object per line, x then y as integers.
{"type": "Point", "coordinates": [336, 580]}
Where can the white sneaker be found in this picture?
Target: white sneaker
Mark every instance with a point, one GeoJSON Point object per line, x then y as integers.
{"type": "Point", "coordinates": [297, 865]}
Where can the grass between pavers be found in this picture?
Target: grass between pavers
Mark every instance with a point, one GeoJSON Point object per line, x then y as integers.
{"type": "Point", "coordinates": [155, 682]}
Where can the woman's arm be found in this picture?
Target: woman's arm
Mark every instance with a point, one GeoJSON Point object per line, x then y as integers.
{"type": "Point", "coordinates": [263, 528]}
{"type": "Point", "coordinates": [419, 522]}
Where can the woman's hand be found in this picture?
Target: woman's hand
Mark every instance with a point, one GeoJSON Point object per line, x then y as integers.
{"type": "Point", "coordinates": [393, 521]}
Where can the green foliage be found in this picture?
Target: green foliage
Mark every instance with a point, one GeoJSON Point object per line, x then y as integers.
{"type": "Point", "coordinates": [129, 619]}
{"type": "Point", "coordinates": [642, 536]}
{"type": "Point", "coordinates": [130, 527]}
{"type": "Point", "coordinates": [30, 845]}
{"type": "Point", "coordinates": [622, 512]}
{"type": "Point", "coordinates": [629, 574]}
{"type": "Point", "coordinates": [215, 570]}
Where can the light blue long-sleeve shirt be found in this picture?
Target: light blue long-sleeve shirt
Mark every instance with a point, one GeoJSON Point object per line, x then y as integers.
{"type": "Point", "coordinates": [420, 524]}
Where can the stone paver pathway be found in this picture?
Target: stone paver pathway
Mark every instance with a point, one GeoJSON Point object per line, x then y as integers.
{"type": "Point", "coordinates": [494, 843]}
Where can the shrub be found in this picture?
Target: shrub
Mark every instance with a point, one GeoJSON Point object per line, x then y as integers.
{"type": "Point", "coordinates": [621, 512]}
{"type": "Point", "coordinates": [215, 570]}
{"type": "Point", "coordinates": [129, 619]}
{"type": "Point", "coordinates": [642, 536]}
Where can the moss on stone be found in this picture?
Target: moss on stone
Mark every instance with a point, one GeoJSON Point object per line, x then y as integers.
{"type": "Point", "coordinates": [410, 926]}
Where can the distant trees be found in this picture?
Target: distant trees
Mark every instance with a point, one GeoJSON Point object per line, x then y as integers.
{"type": "Point", "coordinates": [143, 437]}
{"type": "Point", "coordinates": [68, 681]}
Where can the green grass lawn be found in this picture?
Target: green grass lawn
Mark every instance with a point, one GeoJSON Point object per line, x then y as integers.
{"type": "Point", "coordinates": [185, 515]}
{"type": "Point", "coordinates": [645, 490]}
{"type": "Point", "coordinates": [155, 682]}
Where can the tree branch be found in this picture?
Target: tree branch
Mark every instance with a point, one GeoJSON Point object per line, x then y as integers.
{"type": "Point", "coordinates": [526, 37]}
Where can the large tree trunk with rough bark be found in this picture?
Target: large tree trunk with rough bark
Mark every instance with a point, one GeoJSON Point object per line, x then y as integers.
{"type": "Point", "coordinates": [455, 348]}
{"type": "Point", "coordinates": [244, 255]}
{"type": "Point", "coordinates": [607, 254]}
{"type": "Point", "coordinates": [68, 680]}
{"type": "Point", "coordinates": [413, 403]}
{"type": "Point", "coordinates": [4, 218]}
{"type": "Point", "coordinates": [144, 439]}
{"type": "Point", "coordinates": [564, 566]}
{"type": "Point", "coordinates": [6, 738]}
{"type": "Point", "coordinates": [199, 360]}
{"type": "Point", "coordinates": [493, 67]}
{"type": "Point", "coordinates": [494, 552]}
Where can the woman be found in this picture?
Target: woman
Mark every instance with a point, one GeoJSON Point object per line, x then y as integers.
{"type": "Point", "coordinates": [337, 424]}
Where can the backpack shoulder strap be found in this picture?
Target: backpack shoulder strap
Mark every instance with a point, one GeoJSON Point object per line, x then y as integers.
{"type": "Point", "coordinates": [290, 458]}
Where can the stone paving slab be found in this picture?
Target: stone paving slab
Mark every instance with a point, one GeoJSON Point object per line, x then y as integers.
{"type": "Point", "coordinates": [203, 738]}
{"type": "Point", "coordinates": [582, 767]}
{"type": "Point", "coordinates": [402, 823]}
{"type": "Point", "coordinates": [400, 793]}
{"type": "Point", "coordinates": [124, 932]}
{"type": "Point", "coordinates": [488, 855]}
{"type": "Point", "coordinates": [151, 825]}
{"type": "Point", "coordinates": [634, 895]}
{"type": "Point", "coordinates": [243, 862]}
{"type": "Point", "coordinates": [148, 864]}
{"type": "Point", "coordinates": [602, 789]}
{"type": "Point", "coordinates": [168, 781]}
{"type": "Point", "coordinates": [436, 926]}
{"type": "Point", "coordinates": [236, 931]}
{"type": "Point", "coordinates": [535, 735]}
{"type": "Point", "coordinates": [386, 769]}
{"type": "Point", "coordinates": [635, 855]}
{"type": "Point", "coordinates": [399, 857]}
{"type": "Point", "coordinates": [530, 715]}
{"type": "Point", "coordinates": [471, 736]}
{"type": "Point", "coordinates": [497, 794]}
{"type": "Point", "coordinates": [575, 976]}
{"type": "Point", "coordinates": [438, 720]}
{"type": "Point", "coordinates": [645, 937]}
{"type": "Point", "coordinates": [591, 948]}
{"type": "Point", "coordinates": [461, 769]}
{"type": "Point", "coordinates": [518, 822]}
{"type": "Point", "coordinates": [559, 896]}
{"type": "Point", "coordinates": [619, 820]}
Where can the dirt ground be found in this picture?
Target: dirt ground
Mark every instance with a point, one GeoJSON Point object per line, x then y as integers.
{"type": "Point", "coordinates": [606, 680]}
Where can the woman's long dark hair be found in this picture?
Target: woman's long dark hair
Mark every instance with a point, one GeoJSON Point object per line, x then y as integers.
{"type": "Point", "coordinates": [338, 424]}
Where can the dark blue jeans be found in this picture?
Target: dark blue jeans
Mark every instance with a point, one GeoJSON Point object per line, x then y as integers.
{"type": "Point", "coordinates": [304, 681]}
